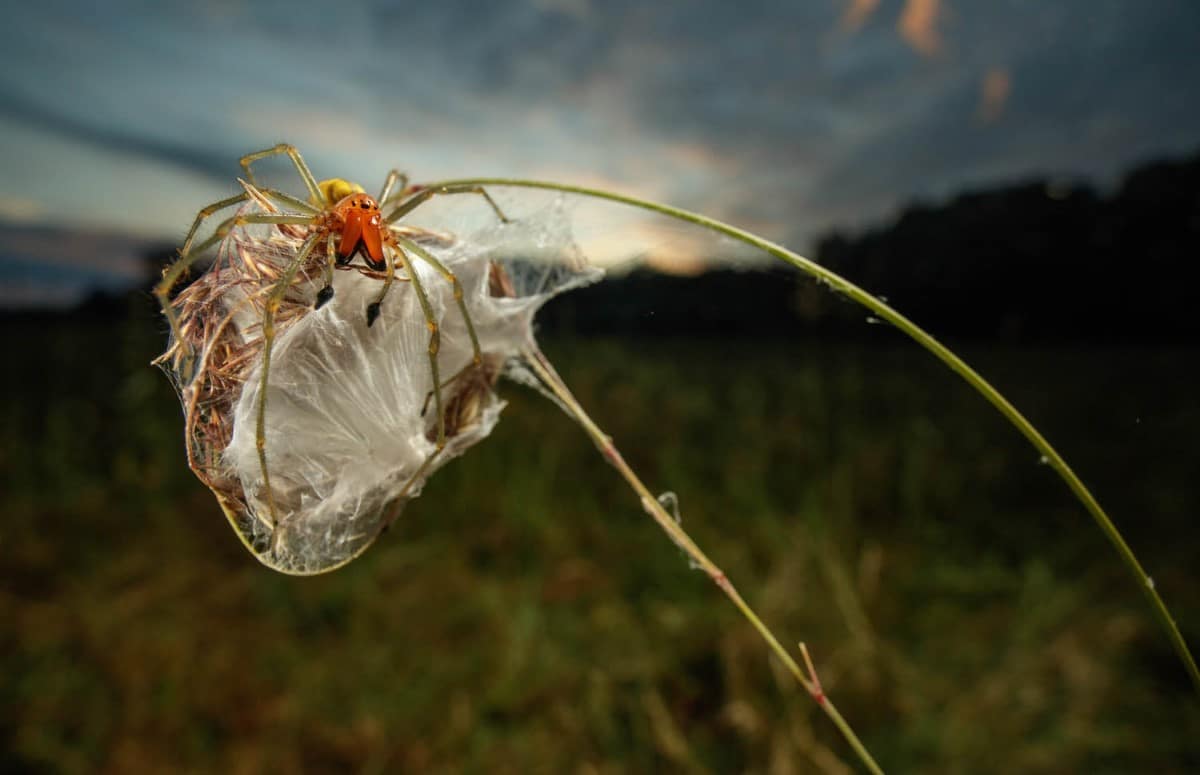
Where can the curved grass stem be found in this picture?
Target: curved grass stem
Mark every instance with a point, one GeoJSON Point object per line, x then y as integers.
{"type": "Point", "coordinates": [552, 382]}
{"type": "Point", "coordinates": [885, 312]}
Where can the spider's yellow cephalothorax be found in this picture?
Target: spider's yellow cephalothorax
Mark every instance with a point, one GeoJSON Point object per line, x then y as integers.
{"type": "Point", "coordinates": [336, 189]}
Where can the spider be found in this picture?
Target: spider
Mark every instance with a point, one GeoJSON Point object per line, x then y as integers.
{"type": "Point", "coordinates": [345, 221]}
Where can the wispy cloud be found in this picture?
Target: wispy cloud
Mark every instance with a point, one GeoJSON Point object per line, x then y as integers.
{"type": "Point", "coordinates": [994, 91]}
{"type": "Point", "coordinates": [857, 13]}
{"type": "Point", "coordinates": [918, 25]}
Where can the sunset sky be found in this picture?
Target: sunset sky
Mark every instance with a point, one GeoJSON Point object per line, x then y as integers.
{"type": "Point", "coordinates": [789, 118]}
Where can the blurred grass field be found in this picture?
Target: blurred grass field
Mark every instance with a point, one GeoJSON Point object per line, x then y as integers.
{"type": "Point", "coordinates": [525, 616]}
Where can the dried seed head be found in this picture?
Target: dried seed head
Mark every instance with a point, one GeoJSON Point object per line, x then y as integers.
{"type": "Point", "coordinates": [349, 431]}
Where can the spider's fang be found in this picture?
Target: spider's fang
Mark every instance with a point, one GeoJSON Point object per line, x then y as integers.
{"type": "Point", "coordinates": [323, 295]}
{"type": "Point", "coordinates": [372, 313]}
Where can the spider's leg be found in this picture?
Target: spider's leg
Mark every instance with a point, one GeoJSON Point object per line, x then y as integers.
{"type": "Point", "coordinates": [326, 292]}
{"type": "Point", "coordinates": [268, 340]}
{"type": "Point", "coordinates": [275, 218]}
{"type": "Point", "coordinates": [219, 233]}
{"type": "Point", "coordinates": [190, 252]}
{"type": "Point", "coordinates": [186, 257]}
{"type": "Point", "coordinates": [226, 225]}
{"type": "Point", "coordinates": [289, 200]}
{"type": "Point", "coordinates": [434, 344]}
{"type": "Point", "coordinates": [435, 340]}
{"type": "Point", "coordinates": [457, 375]}
{"type": "Point", "coordinates": [309, 181]}
{"type": "Point", "coordinates": [422, 195]}
{"type": "Point", "coordinates": [223, 228]}
{"type": "Point", "coordinates": [279, 219]}
{"type": "Point", "coordinates": [451, 278]}
{"type": "Point", "coordinates": [388, 278]}
{"type": "Point", "coordinates": [394, 177]}
{"type": "Point", "coordinates": [422, 235]}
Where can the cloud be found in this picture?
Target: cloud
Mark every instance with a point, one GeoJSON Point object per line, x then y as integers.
{"type": "Point", "coordinates": [131, 139]}
{"type": "Point", "coordinates": [19, 208]}
{"type": "Point", "coordinates": [994, 91]}
{"type": "Point", "coordinates": [857, 13]}
{"type": "Point", "coordinates": [918, 25]}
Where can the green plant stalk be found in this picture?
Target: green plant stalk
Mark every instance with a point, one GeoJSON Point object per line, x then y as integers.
{"type": "Point", "coordinates": [915, 332]}
{"type": "Point", "coordinates": [550, 379]}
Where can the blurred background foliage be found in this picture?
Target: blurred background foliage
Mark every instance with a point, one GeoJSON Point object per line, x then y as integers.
{"type": "Point", "coordinates": [525, 615]}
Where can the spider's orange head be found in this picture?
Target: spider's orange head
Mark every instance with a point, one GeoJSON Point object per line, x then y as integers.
{"type": "Point", "coordinates": [362, 228]}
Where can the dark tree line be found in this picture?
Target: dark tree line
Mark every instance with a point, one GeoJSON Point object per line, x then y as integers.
{"type": "Point", "coordinates": [1039, 260]}
{"type": "Point", "coordinates": [1027, 262]}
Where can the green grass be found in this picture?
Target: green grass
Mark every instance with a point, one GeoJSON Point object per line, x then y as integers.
{"type": "Point", "coordinates": [524, 614]}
